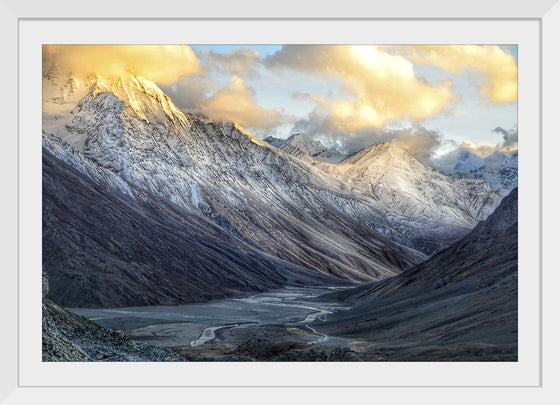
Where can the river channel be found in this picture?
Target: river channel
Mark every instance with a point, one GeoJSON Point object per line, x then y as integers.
{"type": "Point", "coordinates": [278, 316]}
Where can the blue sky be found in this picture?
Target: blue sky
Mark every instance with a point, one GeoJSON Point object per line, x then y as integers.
{"type": "Point", "coordinates": [263, 50]}
{"type": "Point", "coordinates": [430, 97]}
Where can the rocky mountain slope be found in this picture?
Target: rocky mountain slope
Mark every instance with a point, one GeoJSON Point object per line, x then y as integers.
{"type": "Point", "coordinates": [174, 176]}
{"type": "Point", "coordinates": [466, 293]}
{"type": "Point", "coordinates": [132, 129]}
{"type": "Point", "coordinates": [130, 133]}
{"type": "Point", "coordinates": [300, 146]}
{"type": "Point", "coordinates": [431, 209]}
{"type": "Point", "coordinates": [105, 248]}
{"type": "Point", "coordinates": [435, 205]}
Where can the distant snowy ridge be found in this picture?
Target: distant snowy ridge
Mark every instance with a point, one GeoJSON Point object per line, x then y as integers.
{"type": "Point", "coordinates": [499, 169]}
{"type": "Point", "coordinates": [301, 146]}
{"type": "Point", "coordinates": [409, 188]}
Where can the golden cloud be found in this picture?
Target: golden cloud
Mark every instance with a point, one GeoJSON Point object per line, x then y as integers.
{"type": "Point", "coordinates": [480, 151]}
{"type": "Point", "coordinates": [497, 65]}
{"type": "Point", "coordinates": [380, 86]}
{"type": "Point", "coordinates": [484, 151]}
{"type": "Point", "coordinates": [235, 103]}
{"type": "Point", "coordinates": [160, 63]}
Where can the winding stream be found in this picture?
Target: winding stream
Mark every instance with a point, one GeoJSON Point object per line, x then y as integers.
{"type": "Point", "coordinates": [281, 315]}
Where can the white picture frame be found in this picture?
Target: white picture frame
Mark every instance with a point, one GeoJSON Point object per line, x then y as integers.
{"type": "Point", "coordinates": [15, 386]}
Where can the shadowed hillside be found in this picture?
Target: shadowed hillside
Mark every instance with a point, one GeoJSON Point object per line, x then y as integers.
{"type": "Point", "coordinates": [465, 294]}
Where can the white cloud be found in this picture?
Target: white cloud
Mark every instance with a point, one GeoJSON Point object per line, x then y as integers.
{"type": "Point", "coordinates": [497, 66]}
{"type": "Point", "coordinates": [380, 86]}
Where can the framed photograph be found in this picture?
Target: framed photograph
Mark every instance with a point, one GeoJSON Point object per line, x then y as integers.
{"type": "Point", "coordinates": [243, 145]}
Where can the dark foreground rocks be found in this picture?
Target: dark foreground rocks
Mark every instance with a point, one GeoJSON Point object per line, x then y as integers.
{"type": "Point", "coordinates": [263, 350]}
{"type": "Point", "coordinates": [69, 337]}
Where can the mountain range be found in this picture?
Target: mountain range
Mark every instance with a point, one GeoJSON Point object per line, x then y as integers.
{"type": "Point", "coordinates": [499, 168]}
{"type": "Point", "coordinates": [143, 204]}
{"type": "Point", "coordinates": [436, 207]}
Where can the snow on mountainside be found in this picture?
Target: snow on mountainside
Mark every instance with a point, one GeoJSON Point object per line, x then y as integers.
{"type": "Point", "coordinates": [500, 168]}
{"type": "Point", "coordinates": [127, 133]}
{"type": "Point", "coordinates": [302, 147]}
{"type": "Point", "coordinates": [411, 189]}
{"type": "Point", "coordinates": [105, 248]}
{"type": "Point", "coordinates": [431, 209]}
{"type": "Point", "coordinates": [348, 219]}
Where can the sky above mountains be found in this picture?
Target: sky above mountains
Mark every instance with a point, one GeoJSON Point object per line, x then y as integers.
{"type": "Point", "coordinates": [429, 99]}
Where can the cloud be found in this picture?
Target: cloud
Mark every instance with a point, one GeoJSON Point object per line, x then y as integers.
{"type": "Point", "coordinates": [418, 141]}
{"type": "Point", "coordinates": [481, 151]}
{"type": "Point", "coordinates": [238, 61]}
{"type": "Point", "coordinates": [496, 65]}
{"type": "Point", "coordinates": [299, 95]}
{"type": "Point", "coordinates": [162, 64]}
{"type": "Point", "coordinates": [510, 136]}
{"type": "Point", "coordinates": [479, 155]}
{"type": "Point", "coordinates": [188, 92]}
{"type": "Point", "coordinates": [235, 103]}
{"type": "Point", "coordinates": [509, 144]}
{"type": "Point", "coordinates": [380, 86]}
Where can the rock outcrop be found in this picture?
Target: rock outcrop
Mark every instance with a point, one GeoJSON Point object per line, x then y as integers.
{"type": "Point", "coordinates": [69, 337]}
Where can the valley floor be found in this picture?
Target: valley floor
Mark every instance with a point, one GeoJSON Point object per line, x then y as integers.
{"type": "Point", "coordinates": [279, 316]}
{"type": "Point", "coordinates": [271, 326]}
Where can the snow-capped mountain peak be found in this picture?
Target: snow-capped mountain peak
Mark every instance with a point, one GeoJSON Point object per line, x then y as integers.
{"type": "Point", "coordinates": [388, 153]}
{"type": "Point", "coordinates": [304, 143]}
{"type": "Point", "coordinates": [142, 96]}
{"type": "Point", "coordinates": [412, 189]}
{"type": "Point", "coordinates": [86, 101]}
